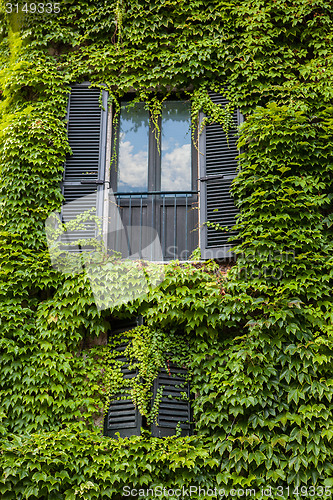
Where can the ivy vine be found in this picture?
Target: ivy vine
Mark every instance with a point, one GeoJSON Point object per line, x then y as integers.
{"type": "Point", "coordinates": [261, 349]}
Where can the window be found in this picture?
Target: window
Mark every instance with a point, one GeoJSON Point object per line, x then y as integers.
{"type": "Point", "coordinates": [167, 185]}
{"type": "Point", "coordinates": [145, 164]}
{"type": "Point", "coordinates": [174, 409]}
{"type": "Point", "coordinates": [155, 179]}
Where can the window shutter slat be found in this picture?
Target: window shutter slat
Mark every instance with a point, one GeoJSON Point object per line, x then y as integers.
{"type": "Point", "coordinates": [87, 133]}
{"type": "Point", "coordinates": [173, 408]}
{"type": "Point", "coordinates": [218, 166]}
{"type": "Point", "coordinates": [122, 416]}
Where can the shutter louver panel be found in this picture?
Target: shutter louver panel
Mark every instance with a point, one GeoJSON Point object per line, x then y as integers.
{"type": "Point", "coordinates": [84, 134]}
{"type": "Point", "coordinates": [217, 170]}
{"type": "Point", "coordinates": [220, 209]}
{"type": "Point", "coordinates": [122, 415]}
{"type": "Point", "coordinates": [78, 201]}
{"type": "Point", "coordinates": [86, 128]}
{"type": "Point", "coordinates": [174, 408]}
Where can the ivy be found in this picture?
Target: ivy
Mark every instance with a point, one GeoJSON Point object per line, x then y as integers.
{"type": "Point", "coordinates": [146, 352]}
{"type": "Point", "coordinates": [256, 336]}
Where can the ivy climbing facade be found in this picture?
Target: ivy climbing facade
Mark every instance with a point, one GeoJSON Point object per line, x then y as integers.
{"type": "Point", "coordinates": [223, 365]}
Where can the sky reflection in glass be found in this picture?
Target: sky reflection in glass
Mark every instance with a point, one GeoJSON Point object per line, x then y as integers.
{"type": "Point", "coordinates": [176, 146]}
{"type": "Point", "coordinates": [133, 148]}
{"type": "Point", "coordinates": [175, 155]}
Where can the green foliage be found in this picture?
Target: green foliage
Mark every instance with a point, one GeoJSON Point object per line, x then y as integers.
{"type": "Point", "coordinates": [102, 467]}
{"type": "Point", "coordinates": [147, 351]}
{"type": "Point", "coordinates": [259, 340]}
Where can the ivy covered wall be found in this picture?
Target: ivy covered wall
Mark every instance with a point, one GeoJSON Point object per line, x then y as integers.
{"type": "Point", "coordinates": [260, 338]}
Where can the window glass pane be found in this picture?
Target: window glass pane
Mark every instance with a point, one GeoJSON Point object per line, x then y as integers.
{"type": "Point", "coordinates": [133, 148]}
{"type": "Point", "coordinates": [176, 146]}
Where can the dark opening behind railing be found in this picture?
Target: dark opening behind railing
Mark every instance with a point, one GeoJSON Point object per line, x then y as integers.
{"type": "Point", "coordinates": [172, 216]}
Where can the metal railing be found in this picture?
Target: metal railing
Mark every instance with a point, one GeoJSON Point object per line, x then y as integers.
{"type": "Point", "coordinates": [171, 214]}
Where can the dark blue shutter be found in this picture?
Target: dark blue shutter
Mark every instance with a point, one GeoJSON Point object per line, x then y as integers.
{"type": "Point", "coordinates": [122, 415]}
{"type": "Point", "coordinates": [174, 409]}
{"type": "Point", "coordinates": [85, 167]}
{"type": "Point", "coordinates": [218, 167]}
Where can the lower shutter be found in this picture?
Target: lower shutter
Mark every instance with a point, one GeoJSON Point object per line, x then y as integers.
{"type": "Point", "coordinates": [218, 168]}
{"type": "Point", "coordinates": [174, 408]}
{"type": "Point", "coordinates": [122, 415]}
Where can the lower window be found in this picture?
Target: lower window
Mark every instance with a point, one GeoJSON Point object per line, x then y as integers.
{"type": "Point", "coordinates": [166, 409]}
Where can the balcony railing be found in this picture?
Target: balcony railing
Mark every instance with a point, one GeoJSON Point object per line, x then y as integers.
{"type": "Point", "coordinates": [136, 219]}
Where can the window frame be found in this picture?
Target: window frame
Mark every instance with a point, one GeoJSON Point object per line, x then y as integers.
{"type": "Point", "coordinates": [154, 154]}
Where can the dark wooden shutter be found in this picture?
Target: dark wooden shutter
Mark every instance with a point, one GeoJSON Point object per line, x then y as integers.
{"type": "Point", "coordinates": [173, 408]}
{"type": "Point", "coordinates": [85, 167]}
{"type": "Point", "coordinates": [122, 415]}
{"type": "Point", "coordinates": [218, 166]}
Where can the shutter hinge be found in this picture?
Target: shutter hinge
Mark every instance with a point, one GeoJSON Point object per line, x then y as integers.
{"type": "Point", "coordinates": [99, 182]}
{"type": "Point", "coordinates": [215, 177]}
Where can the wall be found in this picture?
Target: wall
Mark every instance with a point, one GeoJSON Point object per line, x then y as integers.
{"type": "Point", "coordinates": [261, 351]}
